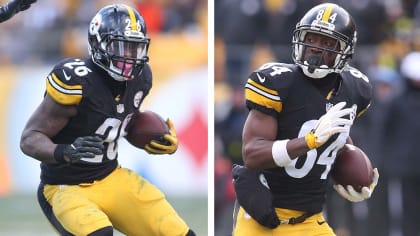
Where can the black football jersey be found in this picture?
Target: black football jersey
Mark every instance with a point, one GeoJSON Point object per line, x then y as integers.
{"type": "Point", "coordinates": [284, 92]}
{"type": "Point", "coordinates": [104, 108]}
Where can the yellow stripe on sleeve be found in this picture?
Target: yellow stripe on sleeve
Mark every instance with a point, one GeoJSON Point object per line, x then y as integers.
{"type": "Point", "coordinates": [363, 111]}
{"type": "Point", "coordinates": [263, 96]}
{"type": "Point", "coordinates": [63, 93]}
{"type": "Point", "coordinates": [327, 13]}
{"type": "Point", "coordinates": [267, 90]}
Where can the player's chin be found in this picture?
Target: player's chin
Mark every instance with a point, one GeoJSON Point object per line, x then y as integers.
{"type": "Point", "coordinates": [126, 75]}
{"type": "Point", "coordinates": [128, 78]}
{"type": "Point", "coordinates": [124, 70]}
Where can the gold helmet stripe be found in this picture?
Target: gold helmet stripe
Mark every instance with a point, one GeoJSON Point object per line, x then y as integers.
{"type": "Point", "coordinates": [63, 93]}
{"type": "Point", "coordinates": [327, 13]}
{"type": "Point", "coordinates": [132, 18]}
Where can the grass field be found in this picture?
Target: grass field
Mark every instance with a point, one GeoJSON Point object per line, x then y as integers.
{"type": "Point", "coordinates": [20, 215]}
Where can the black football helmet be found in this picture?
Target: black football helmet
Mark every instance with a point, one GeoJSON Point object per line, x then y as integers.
{"type": "Point", "coordinates": [330, 20]}
{"type": "Point", "coordinates": [118, 41]}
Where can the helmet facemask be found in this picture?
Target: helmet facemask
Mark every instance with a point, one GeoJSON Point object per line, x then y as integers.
{"type": "Point", "coordinates": [314, 65]}
{"type": "Point", "coordinates": [126, 57]}
{"type": "Point", "coordinates": [122, 58]}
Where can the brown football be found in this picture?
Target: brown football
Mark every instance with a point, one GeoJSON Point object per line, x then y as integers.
{"type": "Point", "coordinates": [144, 127]}
{"type": "Point", "coordinates": [352, 167]}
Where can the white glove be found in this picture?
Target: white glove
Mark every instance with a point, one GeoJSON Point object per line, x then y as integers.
{"type": "Point", "coordinates": [354, 196]}
{"type": "Point", "coordinates": [331, 123]}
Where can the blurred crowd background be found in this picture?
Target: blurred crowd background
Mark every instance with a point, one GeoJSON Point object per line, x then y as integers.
{"type": "Point", "coordinates": [249, 33]}
{"type": "Point", "coordinates": [56, 29]}
{"type": "Point", "coordinates": [34, 40]}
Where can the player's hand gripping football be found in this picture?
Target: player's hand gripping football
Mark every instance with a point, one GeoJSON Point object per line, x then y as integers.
{"type": "Point", "coordinates": [352, 195]}
{"type": "Point", "coordinates": [337, 120]}
{"type": "Point", "coordinates": [83, 147]}
{"type": "Point", "coordinates": [169, 146]}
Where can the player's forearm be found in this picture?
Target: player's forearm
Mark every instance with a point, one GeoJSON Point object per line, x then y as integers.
{"type": "Point", "coordinates": [38, 146]}
{"type": "Point", "coordinates": [297, 147]}
{"type": "Point", "coordinates": [258, 154]}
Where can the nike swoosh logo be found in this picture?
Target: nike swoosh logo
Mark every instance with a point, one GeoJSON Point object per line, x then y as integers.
{"type": "Point", "coordinates": [262, 79]}
{"type": "Point", "coordinates": [68, 77]}
{"type": "Point", "coordinates": [320, 222]}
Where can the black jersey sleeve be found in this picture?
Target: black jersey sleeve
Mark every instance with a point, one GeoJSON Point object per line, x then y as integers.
{"type": "Point", "coordinates": [64, 82]}
{"type": "Point", "coordinates": [266, 88]}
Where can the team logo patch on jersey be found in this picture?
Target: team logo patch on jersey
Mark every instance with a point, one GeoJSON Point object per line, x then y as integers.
{"type": "Point", "coordinates": [137, 99]}
{"type": "Point", "coordinates": [120, 108]}
{"type": "Point", "coordinates": [68, 77]}
{"type": "Point", "coordinates": [262, 79]}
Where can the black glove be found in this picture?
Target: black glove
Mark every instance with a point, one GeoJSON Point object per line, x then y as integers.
{"type": "Point", "coordinates": [254, 197]}
{"type": "Point", "coordinates": [13, 7]}
{"type": "Point", "coordinates": [26, 4]}
{"type": "Point", "coordinates": [82, 147]}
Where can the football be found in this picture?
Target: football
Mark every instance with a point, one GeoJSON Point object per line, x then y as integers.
{"type": "Point", "coordinates": [144, 127]}
{"type": "Point", "coordinates": [352, 167]}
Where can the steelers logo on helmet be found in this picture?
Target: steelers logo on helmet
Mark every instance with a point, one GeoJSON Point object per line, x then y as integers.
{"type": "Point", "coordinates": [118, 41]}
{"type": "Point", "coordinates": [335, 27]}
{"type": "Point", "coordinates": [94, 24]}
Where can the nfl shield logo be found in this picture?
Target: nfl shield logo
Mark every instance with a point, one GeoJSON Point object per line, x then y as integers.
{"type": "Point", "coordinates": [120, 108]}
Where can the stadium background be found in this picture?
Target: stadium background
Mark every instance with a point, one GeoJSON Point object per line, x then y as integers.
{"type": "Point", "coordinates": [30, 44]}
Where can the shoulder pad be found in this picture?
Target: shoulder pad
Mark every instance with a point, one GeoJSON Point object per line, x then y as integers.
{"type": "Point", "coordinates": [276, 70]}
{"type": "Point", "coordinates": [356, 74]}
{"type": "Point", "coordinates": [362, 86]}
{"type": "Point", "coordinates": [64, 82]}
{"type": "Point", "coordinates": [264, 85]}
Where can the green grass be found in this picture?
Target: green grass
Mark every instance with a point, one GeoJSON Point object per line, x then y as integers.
{"type": "Point", "coordinates": [20, 215]}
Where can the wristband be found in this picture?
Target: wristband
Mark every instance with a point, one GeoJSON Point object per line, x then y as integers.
{"type": "Point", "coordinates": [279, 152]}
{"type": "Point", "coordinates": [59, 153]}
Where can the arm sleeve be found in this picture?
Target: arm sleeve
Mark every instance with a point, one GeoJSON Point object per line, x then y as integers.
{"type": "Point", "coordinates": [264, 92]}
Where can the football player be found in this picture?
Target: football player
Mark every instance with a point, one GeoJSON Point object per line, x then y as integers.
{"type": "Point", "coordinates": [300, 116]}
{"type": "Point", "coordinates": [74, 133]}
{"type": "Point", "coordinates": [13, 7]}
